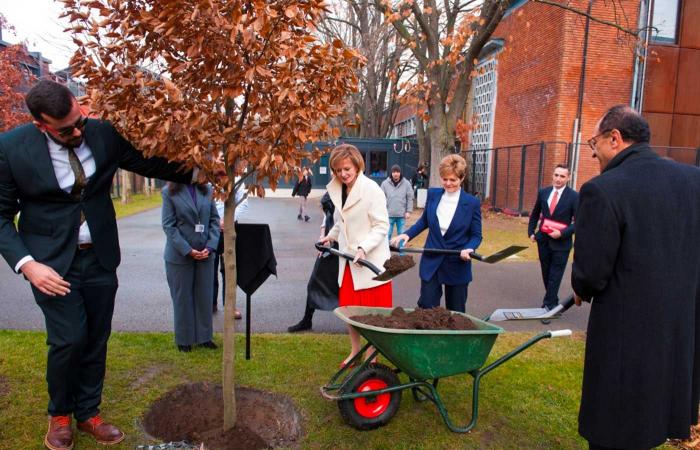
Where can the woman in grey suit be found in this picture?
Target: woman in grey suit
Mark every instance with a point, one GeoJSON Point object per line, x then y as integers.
{"type": "Point", "coordinates": [191, 226]}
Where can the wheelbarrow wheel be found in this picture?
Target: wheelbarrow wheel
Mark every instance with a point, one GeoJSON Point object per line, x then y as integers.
{"type": "Point", "coordinates": [368, 413]}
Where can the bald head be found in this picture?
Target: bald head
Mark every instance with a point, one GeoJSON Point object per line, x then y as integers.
{"type": "Point", "coordinates": [620, 127]}
{"type": "Point", "coordinates": [632, 126]}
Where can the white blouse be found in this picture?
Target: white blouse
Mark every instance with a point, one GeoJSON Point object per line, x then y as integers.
{"type": "Point", "coordinates": [446, 209]}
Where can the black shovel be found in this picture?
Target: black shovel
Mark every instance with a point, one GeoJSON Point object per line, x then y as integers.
{"type": "Point", "coordinates": [490, 259]}
{"type": "Point", "coordinates": [405, 263]}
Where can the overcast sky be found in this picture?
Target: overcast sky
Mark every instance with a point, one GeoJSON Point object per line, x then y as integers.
{"type": "Point", "coordinates": [37, 23]}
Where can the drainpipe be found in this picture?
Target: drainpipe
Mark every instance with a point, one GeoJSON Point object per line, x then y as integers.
{"type": "Point", "coordinates": [581, 86]}
{"type": "Point", "coordinates": [640, 60]}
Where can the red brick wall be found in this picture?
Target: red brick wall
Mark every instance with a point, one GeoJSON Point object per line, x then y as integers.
{"type": "Point", "coordinates": [538, 87]}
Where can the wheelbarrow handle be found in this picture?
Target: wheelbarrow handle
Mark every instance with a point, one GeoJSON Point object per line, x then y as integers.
{"type": "Point", "coordinates": [363, 262]}
{"type": "Point", "coordinates": [435, 251]}
{"type": "Point", "coordinates": [559, 333]}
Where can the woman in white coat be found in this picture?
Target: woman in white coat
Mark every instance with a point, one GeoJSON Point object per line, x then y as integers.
{"type": "Point", "coordinates": [361, 227]}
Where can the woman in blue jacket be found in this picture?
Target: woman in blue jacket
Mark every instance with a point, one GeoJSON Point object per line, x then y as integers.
{"type": "Point", "coordinates": [453, 220]}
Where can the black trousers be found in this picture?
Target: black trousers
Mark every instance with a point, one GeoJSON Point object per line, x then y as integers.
{"type": "Point", "coordinates": [455, 296]}
{"type": "Point", "coordinates": [219, 265]}
{"type": "Point", "coordinates": [78, 328]}
{"type": "Point", "coordinates": [553, 265]}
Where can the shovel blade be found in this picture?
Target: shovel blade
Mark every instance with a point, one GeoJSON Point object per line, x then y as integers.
{"type": "Point", "coordinates": [503, 254]}
{"type": "Point", "coordinates": [394, 266]}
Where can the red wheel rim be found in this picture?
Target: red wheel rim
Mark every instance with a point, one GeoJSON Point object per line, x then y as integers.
{"type": "Point", "coordinates": [374, 406]}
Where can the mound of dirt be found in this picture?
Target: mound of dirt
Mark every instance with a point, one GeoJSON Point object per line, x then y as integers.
{"type": "Point", "coordinates": [399, 263]}
{"type": "Point", "coordinates": [419, 319]}
{"type": "Point", "coordinates": [194, 413]}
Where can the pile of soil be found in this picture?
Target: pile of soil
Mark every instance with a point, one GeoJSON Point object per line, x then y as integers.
{"type": "Point", "coordinates": [420, 319]}
{"type": "Point", "coordinates": [194, 413]}
{"type": "Point", "coordinates": [399, 263]}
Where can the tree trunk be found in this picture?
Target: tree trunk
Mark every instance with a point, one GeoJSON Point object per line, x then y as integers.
{"type": "Point", "coordinates": [124, 175]}
{"type": "Point", "coordinates": [442, 143]}
{"type": "Point", "coordinates": [147, 187]}
{"type": "Point", "coordinates": [423, 137]}
{"type": "Point", "coordinates": [229, 372]}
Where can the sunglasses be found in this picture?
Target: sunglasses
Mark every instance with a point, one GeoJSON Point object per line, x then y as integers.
{"type": "Point", "coordinates": [594, 140]}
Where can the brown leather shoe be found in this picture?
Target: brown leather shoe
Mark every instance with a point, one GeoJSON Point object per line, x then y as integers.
{"type": "Point", "coordinates": [60, 435]}
{"type": "Point", "coordinates": [103, 432]}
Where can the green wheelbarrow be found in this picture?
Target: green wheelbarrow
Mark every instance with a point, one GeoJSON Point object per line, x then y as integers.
{"type": "Point", "coordinates": [369, 394]}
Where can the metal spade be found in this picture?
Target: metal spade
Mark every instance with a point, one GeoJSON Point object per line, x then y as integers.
{"type": "Point", "coordinates": [490, 259]}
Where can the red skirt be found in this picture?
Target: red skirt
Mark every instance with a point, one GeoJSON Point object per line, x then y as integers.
{"type": "Point", "coordinates": [379, 296]}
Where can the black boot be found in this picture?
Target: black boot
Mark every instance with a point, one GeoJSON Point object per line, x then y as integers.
{"type": "Point", "coordinates": [305, 323]}
{"type": "Point", "coordinates": [306, 218]}
{"type": "Point", "coordinates": [299, 217]}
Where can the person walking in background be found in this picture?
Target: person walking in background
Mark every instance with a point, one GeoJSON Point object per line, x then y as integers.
{"type": "Point", "coordinates": [192, 229]}
{"type": "Point", "coordinates": [453, 220]}
{"type": "Point", "coordinates": [302, 188]}
{"type": "Point", "coordinates": [239, 213]}
{"type": "Point", "coordinates": [637, 260]}
{"type": "Point", "coordinates": [362, 223]}
{"type": "Point", "coordinates": [399, 199]}
{"type": "Point", "coordinates": [322, 289]}
{"type": "Point", "coordinates": [419, 180]}
{"type": "Point", "coordinates": [555, 210]}
{"type": "Point", "coordinates": [57, 173]}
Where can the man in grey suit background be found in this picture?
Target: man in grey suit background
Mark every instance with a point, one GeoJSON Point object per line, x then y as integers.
{"type": "Point", "coordinates": [57, 173]}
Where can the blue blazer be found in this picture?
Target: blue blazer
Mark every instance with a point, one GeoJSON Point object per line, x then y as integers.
{"type": "Point", "coordinates": [565, 212]}
{"type": "Point", "coordinates": [464, 232]}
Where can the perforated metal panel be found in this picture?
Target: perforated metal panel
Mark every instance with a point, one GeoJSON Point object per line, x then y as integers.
{"type": "Point", "coordinates": [483, 111]}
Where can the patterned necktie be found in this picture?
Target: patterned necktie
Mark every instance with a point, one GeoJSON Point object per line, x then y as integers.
{"type": "Point", "coordinates": [553, 204]}
{"type": "Point", "coordinates": [80, 178]}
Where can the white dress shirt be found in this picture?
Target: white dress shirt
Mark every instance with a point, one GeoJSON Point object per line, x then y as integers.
{"type": "Point", "coordinates": [446, 209]}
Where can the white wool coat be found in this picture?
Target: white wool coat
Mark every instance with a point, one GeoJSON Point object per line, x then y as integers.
{"type": "Point", "coordinates": [362, 223]}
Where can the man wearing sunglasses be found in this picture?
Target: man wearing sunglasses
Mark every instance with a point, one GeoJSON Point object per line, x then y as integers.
{"type": "Point", "coordinates": [637, 260]}
{"type": "Point", "coordinates": [57, 173]}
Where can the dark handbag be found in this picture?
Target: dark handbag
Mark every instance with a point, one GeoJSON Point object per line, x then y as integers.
{"type": "Point", "coordinates": [322, 290]}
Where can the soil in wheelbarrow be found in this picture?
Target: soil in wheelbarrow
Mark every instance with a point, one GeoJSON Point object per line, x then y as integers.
{"type": "Point", "coordinates": [194, 413]}
{"type": "Point", "coordinates": [419, 319]}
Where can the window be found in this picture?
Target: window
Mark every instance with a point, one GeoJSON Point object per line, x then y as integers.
{"type": "Point", "coordinates": [377, 164]}
{"type": "Point", "coordinates": [665, 20]}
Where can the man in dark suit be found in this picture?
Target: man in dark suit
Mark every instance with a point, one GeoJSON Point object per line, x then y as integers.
{"type": "Point", "coordinates": [637, 260]}
{"type": "Point", "coordinates": [555, 209]}
{"type": "Point", "coordinates": [57, 173]}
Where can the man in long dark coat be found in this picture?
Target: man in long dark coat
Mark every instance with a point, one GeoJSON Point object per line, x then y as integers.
{"type": "Point", "coordinates": [637, 260]}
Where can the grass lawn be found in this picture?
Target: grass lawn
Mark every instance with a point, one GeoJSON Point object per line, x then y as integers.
{"type": "Point", "coordinates": [137, 203]}
{"type": "Point", "coordinates": [529, 402]}
{"type": "Point", "coordinates": [499, 231]}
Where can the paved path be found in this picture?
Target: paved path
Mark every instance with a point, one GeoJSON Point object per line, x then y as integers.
{"type": "Point", "coordinates": [143, 301]}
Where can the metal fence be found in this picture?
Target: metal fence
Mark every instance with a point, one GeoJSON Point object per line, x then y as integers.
{"type": "Point", "coordinates": [508, 178]}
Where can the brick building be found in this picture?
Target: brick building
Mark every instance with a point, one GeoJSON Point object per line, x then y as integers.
{"type": "Point", "coordinates": [548, 74]}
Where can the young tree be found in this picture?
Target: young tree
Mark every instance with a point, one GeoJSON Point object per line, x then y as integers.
{"type": "Point", "coordinates": [201, 81]}
{"type": "Point", "coordinates": [14, 75]}
{"type": "Point", "coordinates": [445, 38]}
